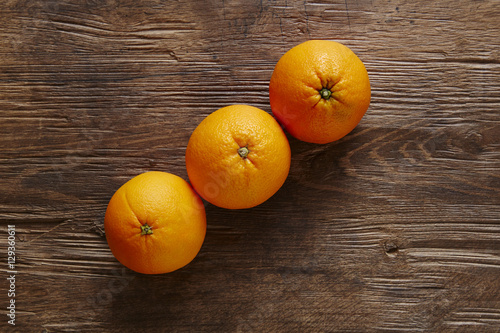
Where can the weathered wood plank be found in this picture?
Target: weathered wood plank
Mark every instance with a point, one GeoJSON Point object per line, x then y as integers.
{"type": "Point", "coordinates": [396, 227]}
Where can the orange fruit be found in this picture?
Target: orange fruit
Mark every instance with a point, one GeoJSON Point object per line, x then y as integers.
{"type": "Point", "coordinates": [155, 223]}
{"type": "Point", "coordinates": [238, 157]}
{"type": "Point", "coordinates": [319, 91]}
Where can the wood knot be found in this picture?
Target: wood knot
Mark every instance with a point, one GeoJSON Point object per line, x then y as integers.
{"type": "Point", "coordinates": [391, 248]}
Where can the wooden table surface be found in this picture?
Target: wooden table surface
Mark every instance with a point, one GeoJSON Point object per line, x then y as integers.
{"type": "Point", "coordinates": [395, 227]}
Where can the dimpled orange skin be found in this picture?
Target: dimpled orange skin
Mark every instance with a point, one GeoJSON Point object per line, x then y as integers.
{"type": "Point", "coordinates": [172, 217]}
{"type": "Point", "coordinates": [303, 74]}
{"type": "Point", "coordinates": [220, 174]}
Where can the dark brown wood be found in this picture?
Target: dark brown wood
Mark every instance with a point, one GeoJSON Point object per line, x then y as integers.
{"type": "Point", "coordinates": [396, 227]}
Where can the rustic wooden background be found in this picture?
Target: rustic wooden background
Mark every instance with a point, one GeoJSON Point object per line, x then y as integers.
{"type": "Point", "coordinates": [396, 227]}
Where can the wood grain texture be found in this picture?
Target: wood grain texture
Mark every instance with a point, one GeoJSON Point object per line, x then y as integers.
{"type": "Point", "coordinates": [396, 227]}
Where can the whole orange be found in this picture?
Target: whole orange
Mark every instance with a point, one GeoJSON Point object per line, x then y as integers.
{"type": "Point", "coordinates": [155, 223]}
{"type": "Point", "coordinates": [319, 91]}
{"type": "Point", "coordinates": [238, 157]}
